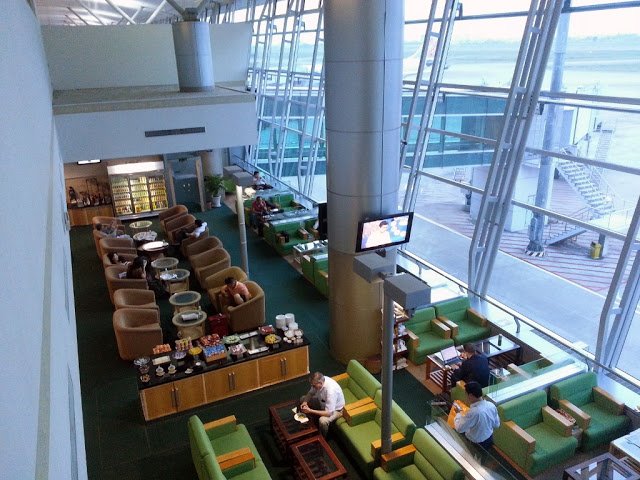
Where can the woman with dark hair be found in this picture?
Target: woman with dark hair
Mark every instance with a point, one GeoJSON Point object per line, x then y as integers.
{"type": "Point", "coordinates": [136, 269]}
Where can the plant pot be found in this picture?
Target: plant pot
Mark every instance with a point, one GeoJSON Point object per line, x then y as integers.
{"type": "Point", "coordinates": [215, 201]}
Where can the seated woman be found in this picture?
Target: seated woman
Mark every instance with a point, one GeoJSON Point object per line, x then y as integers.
{"type": "Point", "coordinates": [235, 292]}
{"type": "Point", "coordinates": [199, 229]}
{"type": "Point", "coordinates": [136, 269]}
{"type": "Point", "coordinates": [258, 182]}
{"type": "Point", "coordinates": [115, 259]}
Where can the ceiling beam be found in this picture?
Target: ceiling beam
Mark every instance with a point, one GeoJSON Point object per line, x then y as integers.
{"type": "Point", "coordinates": [77, 15]}
{"type": "Point", "coordinates": [90, 12]}
{"type": "Point", "coordinates": [155, 13]}
{"type": "Point", "coordinates": [121, 12]}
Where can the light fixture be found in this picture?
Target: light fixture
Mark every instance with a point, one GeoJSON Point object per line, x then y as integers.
{"type": "Point", "coordinates": [85, 162]}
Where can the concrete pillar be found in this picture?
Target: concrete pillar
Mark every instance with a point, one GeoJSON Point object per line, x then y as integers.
{"type": "Point", "coordinates": [363, 88]}
{"type": "Point", "coordinates": [214, 160]}
{"type": "Point", "coordinates": [192, 45]}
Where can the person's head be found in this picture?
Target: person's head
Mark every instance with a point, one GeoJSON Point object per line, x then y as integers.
{"type": "Point", "coordinates": [139, 262]}
{"type": "Point", "coordinates": [198, 222]}
{"type": "Point", "coordinates": [113, 257]}
{"type": "Point", "coordinates": [316, 380]}
{"type": "Point", "coordinates": [230, 281]}
{"type": "Point", "coordinates": [383, 225]}
{"type": "Point", "coordinates": [474, 391]}
{"type": "Point", "coordinates": [256, 174]}
{"type": "Point", "coordinates": [99, 227]}
{"type": "Point", "coordinates": [469, 349]}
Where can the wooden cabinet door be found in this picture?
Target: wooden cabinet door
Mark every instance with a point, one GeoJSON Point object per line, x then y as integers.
{"type": "Point", "coordinates": [296, 363]}
{"type": "Point", "coordinates": [231, 381]}
{"type": "Point", "coordinates": [158, 401]}
{"type": "Point", "coordinates": [189, 393]}
{"type": "Point", "coordinates": [272, 369]}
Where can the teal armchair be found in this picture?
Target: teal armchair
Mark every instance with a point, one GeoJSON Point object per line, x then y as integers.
{"type": "Point", "coordinates": [424, 459]}
{"type": "Point", "coordinates": [532, 434]}
{"type": "Point", "coordinates": [426, 335]}
{"type": "Point", "coordinates": [465, 323]}
{"type": "Point", "coordinates": [600, 416]}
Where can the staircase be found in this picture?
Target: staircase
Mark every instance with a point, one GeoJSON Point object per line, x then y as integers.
{"type": "Point", "coordinates": [586, 181]}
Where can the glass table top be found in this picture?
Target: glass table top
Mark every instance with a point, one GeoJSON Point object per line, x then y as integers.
{"type": "Point", "coordinates": [184, 298]}
{"type": "Point", "coordinates": [175, 275]}
{"type": "Point", "coordinates": [141, 224]}
{"type": "Point", "coordinates": [165, 263]}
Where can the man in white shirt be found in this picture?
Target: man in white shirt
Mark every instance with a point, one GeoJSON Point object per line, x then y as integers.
{"type": "Point", "coordinates": [325, 399]}
{"type": "Point", "coordinates": [480, 420]}
{"type": "Point", "coordinates": [200, 228]}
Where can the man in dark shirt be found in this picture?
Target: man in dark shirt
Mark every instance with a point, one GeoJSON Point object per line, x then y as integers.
{"type": "Point", "coordinates": [475, 368]}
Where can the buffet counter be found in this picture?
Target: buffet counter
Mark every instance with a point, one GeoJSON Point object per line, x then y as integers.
{"type": "Point", "coordinates": [83, 215]}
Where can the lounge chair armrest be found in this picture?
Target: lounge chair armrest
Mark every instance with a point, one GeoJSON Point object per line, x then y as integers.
{"type": "Point", "coordinates": [453, 326]}
{"type": "Point", "coordinates": [582, 418]}
{"type": "Point", "coordinates": [560, 424]}
{"type": "Point", "coordinates": [342, 379]}
{"type": "Point", "coordinates": [604, 400]}
{"type": "Point", "coordinates": [477, 317]}
{"type": "Point", "coordinates": [236, 462]}
{"type": "Point", "coordinates": [414, 340]}
{"type": "Point", "coordinates": [460, 384]}
{"type": "Point", "coordinates": [358, 403]}
{"type": "Point", "coordinates": [359, 415]}
{"type": "Point", "coordinates": [397, 459]}
{"type": "Point", "coordinates": [519, 436]}
{"type": "Point", "coordinates": [219, 427]}
{"type": "Point", "coordinates": [376, 445]}
{"type": "Point", "coordinates": [440, 329]}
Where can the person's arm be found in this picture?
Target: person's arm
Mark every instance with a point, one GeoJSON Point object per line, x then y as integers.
{"type": "Point", "coordinates": [463, 422]}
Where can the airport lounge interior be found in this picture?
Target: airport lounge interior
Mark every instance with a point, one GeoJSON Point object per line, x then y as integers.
{"type": "Point", "coordinates": [321, 239]}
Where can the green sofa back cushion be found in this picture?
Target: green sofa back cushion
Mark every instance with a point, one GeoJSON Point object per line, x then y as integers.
{"type": "Point", "coordinates": [454, 310]}
{"type": "Point", "coordinates": [400, 420]}
{"type": "Point", "coordinates": [199, 438]}
{"type": "Point", "coordinates": [365, 383]}
{"type": "Point", "coordinates": [421, 320]}
{"type": "Point", "coordinates": [437, 456]}
{"type": "Point", "coordinates": [578, 390]}
{"type": "Point", "coordinates": [211, 469]}
{"type": "Point", "coordinates": [525, 410]}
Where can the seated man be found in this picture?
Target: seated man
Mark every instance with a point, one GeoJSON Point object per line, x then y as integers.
{"type": "Point", "coordinates": [325, 399]}
{"type": "Point", "coordinates": [479, 422]}
{"type": "Point", "coordinates": [259, 208]}
{"type": "Point", "coordinates": [199, 229]}
{"type": "Point", "coordinates": [475, 367]}
{"type": "Point", "coordinates": [111, 230]}
{"type": "Point", "coordinates": [258, 182]}
{"type": "Point", "coordinates": [235, 292]}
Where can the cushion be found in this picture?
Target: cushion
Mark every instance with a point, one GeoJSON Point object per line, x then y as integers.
{"type": "Point", "coordinates": [578, 390]}
{"type": "Point", "coordinates": [235, 441]}
{"type": "Point", "coordinates": [524, 410]}
{"type": "Point", "coordinates": [431, 452]}
{"type": "Point", "coordinates": [551, 448]}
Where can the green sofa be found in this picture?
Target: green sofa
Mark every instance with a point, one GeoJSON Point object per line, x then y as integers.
{"type": "Point", "coordinates": [532, 434]}
{"type": "Point", "coordinates": [315, 268]}
{"type": "Point", "coordinates": [291, 227]}
{"type": "Point", "coordinates": [358, 432]}
{"type": "Point", "coordinates": [357, 383]}
{"type": "Point", "coordinates": [426, 335]}
{"type": "Point", "coordinates": [223, 449]}
{"type": "Point", "coordinates": [600, 416]}
{"type": "Point", "coordinates": [466, 324]}
{"type": "Point", "coordinates": [424, 459]}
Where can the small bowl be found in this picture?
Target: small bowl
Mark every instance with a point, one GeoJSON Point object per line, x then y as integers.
{"type": "Point", "coordinates": [141, 361]}
{"type": "Point", "coordinates": [143, 369]}
{"type": "Point", "coordinates": [145, 378]}
{"type": "Point", "coordinates": [298, 333]}
{"type": "Point", "coordinates": [289, 333]}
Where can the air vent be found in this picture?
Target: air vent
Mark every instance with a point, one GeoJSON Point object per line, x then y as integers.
{"type": "Point", "coordinates": [173, 131]}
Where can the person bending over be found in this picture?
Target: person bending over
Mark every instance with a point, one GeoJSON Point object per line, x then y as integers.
{"type": "Point", "coordinates": [324, 399]}
{"type": "Point", "coordinates": [475, 368]}
{"type": "Point", "coordinates": [479, 422]}
{"type": "Point", "coordinates": [259, 208]}
{"type": "Point", "coordinates": [236, 292]}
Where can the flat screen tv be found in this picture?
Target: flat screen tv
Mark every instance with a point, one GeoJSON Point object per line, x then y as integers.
{"type": "Point", "coordinates": [385, 231]}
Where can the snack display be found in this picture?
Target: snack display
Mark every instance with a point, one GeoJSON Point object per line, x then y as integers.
{"type": "Point", "coordinates": [209, 340]}
{"type": "Point", "coordinates": [179, 354]}
{"type": "Point", "coordinates": [237, 349]}
{"type": "Point", "coordinates": [195, 351]}
{"type": "Point", "coordinates": [141, 361]}
{"type": "Point", "coordinates": [184, 343]}
{"type": "Point", "coordinates": [266, 329]}
{"type": "Point", "coordinates": [164, 348]}
{"type": "Point", "coordinates": [272, 339]}
{"type": "Point", "coordinates": [145, 378]}
{"type": "Point", "coordinates": [230, 339]}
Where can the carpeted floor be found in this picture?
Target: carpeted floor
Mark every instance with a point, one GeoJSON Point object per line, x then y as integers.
{"type": "Point", "coordinates": [120, 444]}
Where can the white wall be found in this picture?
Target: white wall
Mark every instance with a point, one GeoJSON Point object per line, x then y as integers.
{"type": "Point", "coordinates": [136, 55]}
{"type": "Point", "coordinates": [41, 422]}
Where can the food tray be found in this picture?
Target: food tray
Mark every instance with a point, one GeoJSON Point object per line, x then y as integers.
{"type": "Point", "coordinates": [214, 353]}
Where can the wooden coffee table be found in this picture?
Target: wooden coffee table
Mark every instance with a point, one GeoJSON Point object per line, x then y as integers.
{"type": "Point", "coordinates": [314, 459]}
{"type": "Point", "coordinates": [604, 466]}
{"type": "Point", "coordinates": [286, 429]}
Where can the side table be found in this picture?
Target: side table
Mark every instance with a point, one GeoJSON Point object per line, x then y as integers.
{"type": "Point", "coordinates": [176, 280]}
{"type": "Point", "coordinates": [188, 327]}
{"type": "Point", "coordinates": [187, 300]}
{"type": "Point", "coordinates": [314, 459]}
{"type": "Point", "coordinates": [604, 466]}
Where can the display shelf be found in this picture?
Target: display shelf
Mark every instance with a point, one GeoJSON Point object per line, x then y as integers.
{"type": "Point", "coordinates": [138, 195]}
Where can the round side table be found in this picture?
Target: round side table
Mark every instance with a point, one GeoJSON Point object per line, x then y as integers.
{"type": "Point", "coordinates": [163, 264]}
{"type": "Point", "coordinates": [187, 300]}
{"type": "Point", "coordinates": [190, 323]}
{"type": "Point", "coordinates": [176, 280]}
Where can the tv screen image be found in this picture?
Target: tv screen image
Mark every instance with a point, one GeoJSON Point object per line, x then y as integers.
{"type": "Point", "coordinates": [384, 232]}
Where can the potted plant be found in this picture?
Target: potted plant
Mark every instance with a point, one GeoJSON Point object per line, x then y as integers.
{"type": "Point", "coordinates": [213, 185]}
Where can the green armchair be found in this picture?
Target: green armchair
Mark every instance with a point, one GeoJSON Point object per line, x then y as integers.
{"type": "Point", "coordinates": [424, 459]}
{"type": "Point", "coordinates": [360, 432]}
{"type": "Point", "coordinates": [357, 383]}
{"type": "Point", "coordinates": [465, 323]}
{"type": "Point", "coordinates": [532, 434]}
{"type": "Point", "coordinates": [600, 416]}
{"type": "Point", "coordinates": [223, 449]}
{"type": "Point", "coordinates": [426, 335]}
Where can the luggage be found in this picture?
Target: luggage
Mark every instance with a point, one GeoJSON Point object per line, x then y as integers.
{"type": "Point", "coordinates": [219, 324]}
